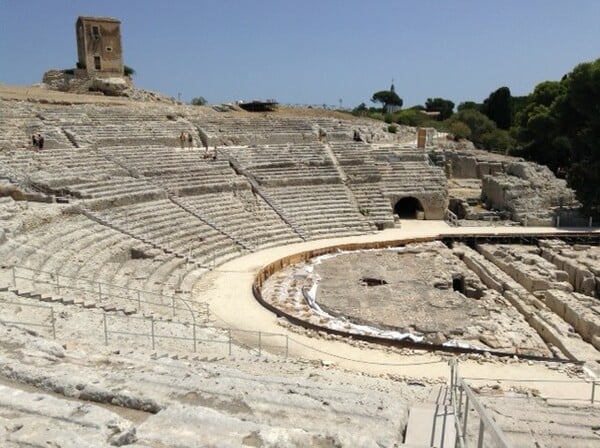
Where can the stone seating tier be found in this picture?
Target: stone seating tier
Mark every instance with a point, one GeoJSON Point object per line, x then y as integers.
{"type": "Point", "coordinates": [108, 128]}
{"type": "Point", "coordinates": [320, 210]}
{"type": "Point", "coordinates": [168, 226]}
{"type": "Point", "coordinates": [280, 156]}
{"type": "Point", "coordinates": [371, 200]}
{"type": "Point", "coordinates": [245, 215]}
{"type": "Point", "coordinates": [74, 248]}
{"type": "Point", "coordinates": [114, 186]}
{"type": "Point", "coordinates": [296, 176]}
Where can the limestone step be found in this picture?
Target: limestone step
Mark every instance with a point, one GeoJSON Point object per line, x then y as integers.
{"type": "Point", "coordinates": [431, 426]}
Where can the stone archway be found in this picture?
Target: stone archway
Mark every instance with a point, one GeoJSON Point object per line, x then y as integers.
{"type": "Point", "coordinates": [408, 208]}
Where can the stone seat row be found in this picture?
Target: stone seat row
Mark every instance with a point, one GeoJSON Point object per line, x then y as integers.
{"type": "Point", "coordinates": [169, 227]}
{"type": "Point", "coordinates": [75, 253]}
{"type": "Point", "coordinates": [113, 186]}
{"type": "Point", "coordinates": [200, 182]}
{"type": "Point", "coordinates": [280, 156]}
{"type": "Point", "coordinates": [245, 215]}
{"type": "Point", "coordinates": [320, 210]}
{"type": "Point", "coordinates": [175, 165]}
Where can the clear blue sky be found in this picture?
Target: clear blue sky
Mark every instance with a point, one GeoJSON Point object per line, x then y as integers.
{"type": "Point", "coordinates": [314, 51]}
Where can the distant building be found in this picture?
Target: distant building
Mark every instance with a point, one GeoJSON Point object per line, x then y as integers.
{"type": "Point", "coordinates": [99, 46]}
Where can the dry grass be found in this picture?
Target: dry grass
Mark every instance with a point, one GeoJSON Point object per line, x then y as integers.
{"type": "Point", "coordinates": [38, 94]}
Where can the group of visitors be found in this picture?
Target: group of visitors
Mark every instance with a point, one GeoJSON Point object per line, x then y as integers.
{"type": "Point", "coordinates": [186, 138]}
{"type": "Point", "coordinates": [37, 140]}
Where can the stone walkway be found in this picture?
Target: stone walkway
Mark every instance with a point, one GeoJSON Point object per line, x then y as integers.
{"type": "Point", "coordinates": [229, 292]}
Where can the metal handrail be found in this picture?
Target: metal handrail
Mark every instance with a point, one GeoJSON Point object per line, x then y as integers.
{"type": "Point", "coordinates": [486, 423]}
{"type": "Point", "coordinates": [138, 292]}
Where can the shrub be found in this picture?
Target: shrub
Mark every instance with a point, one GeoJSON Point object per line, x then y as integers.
{"type": "Point", "coordinates": [459, 130]}
{"type": "Point", "coordinates": [392, 128]}
{"type": "Point", "coordinates": [199, 101]}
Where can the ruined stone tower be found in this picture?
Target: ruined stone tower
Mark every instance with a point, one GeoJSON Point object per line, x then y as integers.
{"type": "Point", "coordinates": [99, 46]}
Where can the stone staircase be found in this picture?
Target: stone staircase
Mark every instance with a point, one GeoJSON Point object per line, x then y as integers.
{"type": "Point", "coordinates": [431, 424]}
{"type": "Point", "coordinates": [81, 302]}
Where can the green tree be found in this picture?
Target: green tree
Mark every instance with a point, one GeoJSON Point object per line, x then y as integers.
{"type": "Point", "coordinates": [478, 123]}
{"type": "Point", "coordinates": [498, 107]}
{"type": "Point", "coordinates": [128, 71]}
{"type": "Point", "coordinates": [412, 117]}
{"type": "Point", "coordinates": [560, 127]}
{"type": "Point", "coordinates": [459, 130]}
{"type": "Point", "coordinates": [483, 131]}
{"type": "Point", "coordinates": [497, 140]}
{"type": "Point", "coordinates": [199, 101]}
{"type": "Point", "coordinates": [387, 98]}
{"type": "Point", "coordinates": [444, 107]}
{"type": "Point", "coordinates": [469, 105]}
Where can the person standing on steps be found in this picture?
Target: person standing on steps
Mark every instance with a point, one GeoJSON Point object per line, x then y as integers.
{"type": "Point", "coordinates": [190, 140]}
{"type": "Point", "coordinates": [182, 139]}
{"type": "Point", "coordinates": [34, 141]}
{"type": "Point", "coordinates": [40, 141]}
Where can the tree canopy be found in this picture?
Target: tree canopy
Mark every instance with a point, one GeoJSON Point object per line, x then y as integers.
{"type": "Point", "coordinates": [498, 107]}
{"type": "Point", "coordinates": [387, 98]}
{"type": "Point", "coordinates": [199, 101]}
{"type": "Point", "coordinates": [444, 107]}
{"type": "Point", "coordinates": [128, 71]}
{"type": "Point", "coordinates": [560, 127]}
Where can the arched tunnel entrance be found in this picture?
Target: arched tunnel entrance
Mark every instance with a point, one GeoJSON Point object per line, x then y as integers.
{"type": "Point", "coordinates": [408, 208]}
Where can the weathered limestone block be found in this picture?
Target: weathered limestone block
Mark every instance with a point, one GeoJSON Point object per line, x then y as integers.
{"type": "Point", "coordinates": [109, 86]}
{"type": "Point", "coordinates": [37, 419]}
{"type": "Point", "coordinates": [483, 169]}
{"type": "Point", "coordinates": [575, 309]}
{"type": "Point", "coordinates": [495, 168]}
{"type": "Point", "coordinates": [580, 276]}
{"type": "Point", "coordinates": [463, 166]}
{"type": "Point", "coordinates": [596, 341]}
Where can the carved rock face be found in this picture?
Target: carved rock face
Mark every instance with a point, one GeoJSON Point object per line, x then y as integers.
{"type": "Point", "coordinates": [109, 86]}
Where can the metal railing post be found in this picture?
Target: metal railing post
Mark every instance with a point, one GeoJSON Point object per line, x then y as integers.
{"type": "Point", "coordinates": [139, 300]}
{"type": "Point", "coordinates": [53, 319]}
{"type": "Point", "coordinates": [481, 434]}
{"type": "Point", "coordinates": [287, 345]}
{"type": "Point", "coordinates": [57, 284]}
{"type": "Point", "coordinates": [105, 331]}
{"type": "Point", "coordinates": [445, 416]}
{"type": "Point", "coordinates": [432, 440]}
{"type": "Point", "coordinates": [466, 414]}
{"type": "Point", "coordinates": [593, 390]}
{"type": "Point", "coordinates": [14, 276]}
{"type": "Point", "coordinates": [194, 335]}
{"type": "Point", "coordinates": [152, 330]}
{"type": "Point", "coordinates": [173, 305]}
{"type": "Point", "coordinates": [229, 340]}
{"type": "Point", "coordinates": [99, 292]}
{"type": "Point", "coordinates": [259, 343]}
